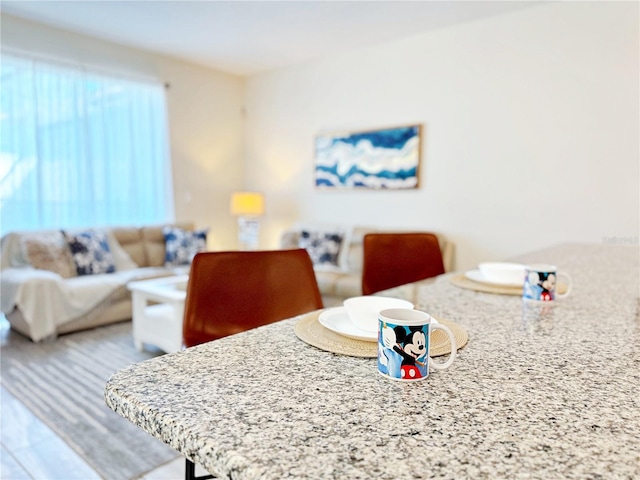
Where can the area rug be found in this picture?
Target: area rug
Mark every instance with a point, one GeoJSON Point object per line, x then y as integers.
{"type": "Point", "coordinates": [62, 382]}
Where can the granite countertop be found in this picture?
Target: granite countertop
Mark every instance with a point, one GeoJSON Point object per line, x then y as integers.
{"type": "Point", "coordinates": [540, 391]}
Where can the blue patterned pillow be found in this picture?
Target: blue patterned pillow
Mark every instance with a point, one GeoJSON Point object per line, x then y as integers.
{"type": "Point", "coordinates": [182, 245]}
{"type": "Point", "coordinates": [90, 252]}
{"type": "Point", "coordinates": [323, 247]}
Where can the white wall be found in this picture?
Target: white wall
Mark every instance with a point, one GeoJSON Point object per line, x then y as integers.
{"type": "Point", "coordinates": [204, 111]}
{"type": "Point", "coordinates": [530, 122]}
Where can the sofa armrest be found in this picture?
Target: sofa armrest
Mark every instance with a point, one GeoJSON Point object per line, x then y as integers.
{"type": "Point", "coordinates": [11, 279]}
{"type": "Point", "coordinates": [21, 275]}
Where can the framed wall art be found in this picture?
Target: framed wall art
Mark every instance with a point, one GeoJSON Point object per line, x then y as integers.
{"type": "Point", "coordinates": [386, 158]}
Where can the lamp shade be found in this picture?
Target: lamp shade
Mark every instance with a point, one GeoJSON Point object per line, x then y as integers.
{"type": "Point", "coordinates": [250, 204]}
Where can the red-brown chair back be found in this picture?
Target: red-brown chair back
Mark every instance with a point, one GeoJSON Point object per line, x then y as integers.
{"type": "Point", "coordinates": [229, 292]}
{"type": "Point", "coordinates": [393, 259]}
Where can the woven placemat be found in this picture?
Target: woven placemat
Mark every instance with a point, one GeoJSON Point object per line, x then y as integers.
{"type": "Point", "coordinates": [463, 282]}
{"type": "Point", "coordinates": [309, 330]}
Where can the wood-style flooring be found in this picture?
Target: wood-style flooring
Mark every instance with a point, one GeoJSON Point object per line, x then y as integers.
{"type": "Point", "coordinates": [29, 449]}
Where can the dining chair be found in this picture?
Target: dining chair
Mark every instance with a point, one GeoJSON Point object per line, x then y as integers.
{"type": "Point", "coordinates": [393, 259]}
{"type": "Point", "coordinates": [230, 292]}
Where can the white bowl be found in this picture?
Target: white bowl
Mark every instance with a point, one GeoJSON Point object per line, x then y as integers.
{"type": "Point", "coordinates": [363, 311]}
{"type": "Point", "coordinates": [503, 272]}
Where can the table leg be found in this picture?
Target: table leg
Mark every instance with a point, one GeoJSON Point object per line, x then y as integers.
{"type": "Point", "coordinates": [190, 472]}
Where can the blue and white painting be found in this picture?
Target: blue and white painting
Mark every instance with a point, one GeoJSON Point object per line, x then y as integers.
{"type": "Point", "coordinates": [377, 159]}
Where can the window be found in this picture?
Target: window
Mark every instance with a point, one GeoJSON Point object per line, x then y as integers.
{"type": "Point", "coordinates": [78, 148]}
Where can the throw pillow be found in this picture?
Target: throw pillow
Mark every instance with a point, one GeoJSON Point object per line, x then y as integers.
{"type": "Point", "coordinates": [182, 245]}
{"type": "Point", "coordinates": [49, 251]}
{"type": "Point", "coordinates": [90, 251]}
{"type": "Point", "coordinates": [323, 247]}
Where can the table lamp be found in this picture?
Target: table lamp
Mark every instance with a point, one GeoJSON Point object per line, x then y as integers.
{"type": "Point", "coordinates": [247, 206]}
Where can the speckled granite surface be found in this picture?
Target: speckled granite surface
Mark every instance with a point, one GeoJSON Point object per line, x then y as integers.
{"type": "Point", "coordinates": [539, 391]}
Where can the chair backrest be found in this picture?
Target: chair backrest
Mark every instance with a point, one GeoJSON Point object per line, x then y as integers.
{"type": "Point", "coordinates": [393, 259]}
{"type": "Point", "coordinates": [230, 292]}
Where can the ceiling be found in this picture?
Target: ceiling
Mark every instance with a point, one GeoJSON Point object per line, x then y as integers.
{"type": "Point", "coordinates": [249, 37]}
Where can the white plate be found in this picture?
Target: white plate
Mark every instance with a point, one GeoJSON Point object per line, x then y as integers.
{"type": "Point", "coordinates": [337, 320]}
{"type": "Point", "coordinates": [476, 276]}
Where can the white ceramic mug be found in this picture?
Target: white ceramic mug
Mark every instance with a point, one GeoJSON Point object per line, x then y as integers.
{"type": "Point", "coordinates": [403, 344]}
{"type": "Point", "coordinates": [540, 283]}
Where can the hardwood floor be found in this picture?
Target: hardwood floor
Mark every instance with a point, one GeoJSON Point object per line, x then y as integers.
{"type": "Point", "coordinates": [29, 449]}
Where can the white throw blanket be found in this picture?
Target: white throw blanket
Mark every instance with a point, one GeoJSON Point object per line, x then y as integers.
{"type": "Point", "coordinates": [47, 300]}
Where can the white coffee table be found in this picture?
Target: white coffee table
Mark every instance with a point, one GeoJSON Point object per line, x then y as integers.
{"type": "Point", "coordinates": [159, 324]}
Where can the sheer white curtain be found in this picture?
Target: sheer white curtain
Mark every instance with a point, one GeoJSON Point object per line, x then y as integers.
{"type": "Point", "coordinates": [79, 148]}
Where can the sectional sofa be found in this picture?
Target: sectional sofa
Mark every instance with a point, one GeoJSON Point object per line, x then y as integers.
{"type": "Point", "coordinates": [46, 291]}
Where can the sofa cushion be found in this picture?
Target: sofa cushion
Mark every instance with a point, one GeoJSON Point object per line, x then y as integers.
{"type": "Point", "coordinates": [90, 252]}
{"type": "Point", "coordinates": [121, 258]}
{"type": "Point", "coordinates": [348, 285]}
{"type": "Point", "coordinates": [130, 239]}
{"type": "Point", "coordinates": [154, 245]}
{"type": "Point", "coordinates": [327, 281]}
{"type": "Point", "coordinates": [182, 245]}
{"type": "Point", "coordinates": [323, 248]}
{"type": "Point", "coordinates": [49, 251]}
{"type": "Point", "coordinates": [355, 251]}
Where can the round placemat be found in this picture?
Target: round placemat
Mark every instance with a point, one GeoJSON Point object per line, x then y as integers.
{"type": "Point", "coordinates": [309, 330]}
{"type": "Point", "coordinates": [440, 344]}
{"type": "Point", "coordinates": [463, 282]}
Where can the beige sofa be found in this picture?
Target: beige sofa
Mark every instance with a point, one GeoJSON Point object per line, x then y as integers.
{"type": "Point", "coordinates": [42, 303]}
{"type": "Point", "coordinates": [345, 280]}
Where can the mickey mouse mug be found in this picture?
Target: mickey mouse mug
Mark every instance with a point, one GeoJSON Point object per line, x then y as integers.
{"type": "Point", "coordinates": [540, 283]}
{"type": "Point", "coordinates": [403, 344]}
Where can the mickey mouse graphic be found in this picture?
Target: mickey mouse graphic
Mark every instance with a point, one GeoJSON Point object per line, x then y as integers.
{"type": "Point", "coordinates": [411, 344]}
{"type": "Point", "coordinates": [541, 286]}
{"type": "Point", "coordinates": [548, 284]}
